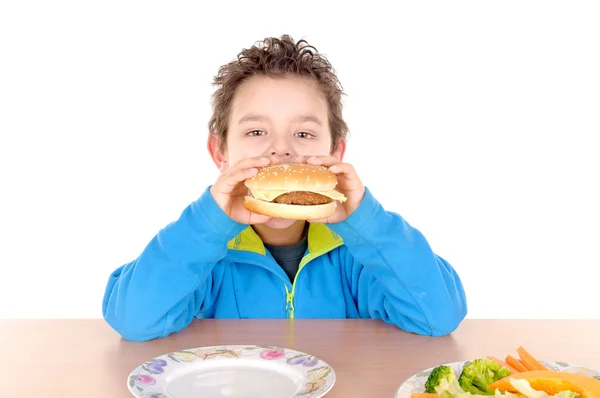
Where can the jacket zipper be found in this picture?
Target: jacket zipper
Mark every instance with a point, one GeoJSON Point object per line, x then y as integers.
{"type": "Point", "coordinates": [289, 295]}
{"type": "Point", "coordinates": [289, 305]}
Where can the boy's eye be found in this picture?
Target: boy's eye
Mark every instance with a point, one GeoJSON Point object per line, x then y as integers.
{"type": "Point", "coordinates": [256, 133]}
{"type": "Point", "coordinates": [304, 134]}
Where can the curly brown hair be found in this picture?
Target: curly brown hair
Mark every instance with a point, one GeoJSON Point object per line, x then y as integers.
{"type": "Point", "coordinates": [276, 57]}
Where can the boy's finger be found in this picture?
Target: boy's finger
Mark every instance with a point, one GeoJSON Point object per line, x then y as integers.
{"type": "Point", "coordinates": [322, 160]}
{"type": "Point", "coordinates": [230, 180]}
{"type": "Point", "coordinates": [322, 221]}
{"type": "Point", "coordinates": [246, 168]}
{"type": "Point", "coordinates": [258, 219]}
{"type": "Point", "coordinates": [252, 162]}
{"type": "Point", "coordinates": [342, 168]}
{"type": "Point", "coordinates": [241, 171]}
{"type": "Point", "coordinates": [347, 172]}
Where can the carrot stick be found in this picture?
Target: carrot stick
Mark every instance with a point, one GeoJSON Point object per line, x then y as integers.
{"type": "Point", "coordinates": [514, 362]}
{"type": "Point", "coordinates": [423, 395]}
{"type": "Point", "coordinates": [503, 364]}
{"type": "Point", "coordinates": [529, 361]}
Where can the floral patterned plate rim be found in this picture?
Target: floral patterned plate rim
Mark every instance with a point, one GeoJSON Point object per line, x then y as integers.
{"type": "Point", "coordinates": [255, 371]}
{"type": "Point", "coordinates": [416, 383]}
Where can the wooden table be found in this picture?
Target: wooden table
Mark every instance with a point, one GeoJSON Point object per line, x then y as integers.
{"type": "Point", "coordinates": [86, 358]}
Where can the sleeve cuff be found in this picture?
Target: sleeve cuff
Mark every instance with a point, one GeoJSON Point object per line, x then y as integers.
{"type": "Point", "coordinates": [363, 219]}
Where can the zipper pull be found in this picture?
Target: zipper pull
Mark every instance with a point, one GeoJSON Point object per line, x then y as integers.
{"type": "Point", "coordinates": [287, 300]}
{"type": "Point", "coordinates": [290, 304]}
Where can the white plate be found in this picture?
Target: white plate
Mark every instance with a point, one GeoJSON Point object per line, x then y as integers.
{"type": "Point", "coordinates": [416, 383]}
{"type": "Point", "coordinates": [234, 371]}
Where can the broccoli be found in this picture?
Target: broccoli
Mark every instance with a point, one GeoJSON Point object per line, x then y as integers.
{"type": "Point", "coordinates": [437, 375]}
{"type": "Point", "coordinates": [477, 375]}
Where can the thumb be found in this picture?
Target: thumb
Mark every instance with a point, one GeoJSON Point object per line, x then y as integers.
{"type": "Point", "coordinates": [254, 218]}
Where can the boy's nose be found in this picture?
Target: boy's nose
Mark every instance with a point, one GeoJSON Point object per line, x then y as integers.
{"type": "Point", "coordinates": [277, 153]}
{"type": "Point", "coordinates": [283, 156]}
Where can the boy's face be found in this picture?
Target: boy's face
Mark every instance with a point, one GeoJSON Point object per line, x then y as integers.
{"type": "Point", "coordinates": [282, 117]}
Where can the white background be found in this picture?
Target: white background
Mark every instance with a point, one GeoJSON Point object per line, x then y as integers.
{"type": "Point", "coordinates": [484, 114]}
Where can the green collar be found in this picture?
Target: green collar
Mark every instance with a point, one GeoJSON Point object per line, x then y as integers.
{"type": "Point", "coordinates": [320, 240]}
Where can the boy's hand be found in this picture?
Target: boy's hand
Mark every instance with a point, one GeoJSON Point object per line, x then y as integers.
{"type": "Point", "coordinates": [348, 183]}
{"type": "Point", "coordinates": [229, 189]}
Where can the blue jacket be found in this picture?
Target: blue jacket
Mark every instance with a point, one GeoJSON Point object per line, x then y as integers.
{"type": "Point", "coordinates": [205, 265]}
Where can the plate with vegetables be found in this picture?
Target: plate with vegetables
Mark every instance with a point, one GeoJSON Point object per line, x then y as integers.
{"type": "Point", "coordinates": [515, 377]}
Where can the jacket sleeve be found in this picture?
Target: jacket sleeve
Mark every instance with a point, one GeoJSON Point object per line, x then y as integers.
{"type": "Point", "coordinates": [394, 274]}
{"type": "Point", "coordinates": [160, 292]}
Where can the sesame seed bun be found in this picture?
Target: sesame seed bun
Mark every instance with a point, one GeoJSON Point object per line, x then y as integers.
{"type": "Point", "coordinates": [293, 191]}
{"type": "Point", "coordinates": [293, 177]}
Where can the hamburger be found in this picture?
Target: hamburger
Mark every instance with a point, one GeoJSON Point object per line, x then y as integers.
{"type": "Point", "coordinates": [293, 191]}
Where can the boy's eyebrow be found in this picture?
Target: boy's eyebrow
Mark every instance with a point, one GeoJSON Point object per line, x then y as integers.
{"type": "Point", "coordinates": [252, 118]}
{"type": "Point", "coordinates": [308, 118]}
{"type": "Point", "coordinates": [260, 118]}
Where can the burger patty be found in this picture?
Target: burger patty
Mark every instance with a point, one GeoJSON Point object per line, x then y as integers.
{"type": "Point", "coordinates": [302, 198]}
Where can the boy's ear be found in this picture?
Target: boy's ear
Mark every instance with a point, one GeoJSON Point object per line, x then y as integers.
{"type": "Point", "coordinates": [214, 149]}
{"type": "Point", "coordinates": [340, 151]}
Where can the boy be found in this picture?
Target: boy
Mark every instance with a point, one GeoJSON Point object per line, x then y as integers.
{"type": "Point", "coordinates": [280, 102]}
